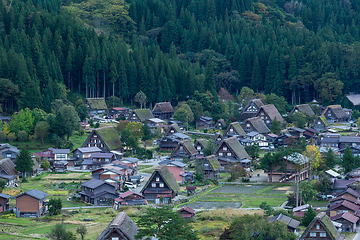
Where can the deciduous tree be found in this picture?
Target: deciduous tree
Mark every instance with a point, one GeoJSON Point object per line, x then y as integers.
{"type": "Point", "coordinates": [24, 163]}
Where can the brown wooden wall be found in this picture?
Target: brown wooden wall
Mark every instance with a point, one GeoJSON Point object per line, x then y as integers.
{"type": "Point", "coordinates": [25, 203]}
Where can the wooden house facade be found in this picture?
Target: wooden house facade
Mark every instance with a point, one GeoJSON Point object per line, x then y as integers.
{"type": "Point", "coordinates": [335, 113]}
{"type": "Point", "coordinates": [96, 105]}
{"type": "Point", "coordinates": [163, 110]}
{"type": "Point", "coordinates": [268, 113]}
{"type": "Point", "coordinates": [321, 228]}
{"type": "Point", "coordinates": [251, 109]}
{"type": "Point", "coordinates": [31, 203]}
{"type": "Point", "coordinates": [107, 139]}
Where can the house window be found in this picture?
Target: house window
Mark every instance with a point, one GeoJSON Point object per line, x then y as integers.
{"type": "Point", "coordinates": [225, 148]}
{"type": "Point", "coordinates": [94, 140]}
{"type": "Point", "coordinates": [106, 159]}
{"type": "Point", "coordinates": [8, 155]}
{"type": "Point", "coordinates": [181, 148]}
{"type": "Point", "coordinates": [221, 154]}
{"type": "Point", "coordinates": [161, 185]}
{"type": "Point", "coordinates": [317, 226]}
{"type": "Point", "coordinates": [229, 154]}
{"type": "Point", "coordinates": [267, 121]}
{"type": "Point", "coordinates": [248, 125]}
{"type": "Point", "coordinates": [231, 130]}
{"type": "Point", "coordinates": [153, 185]}
{"type": "Point", "coordinates": [312, 234]}
{"type": "Point", "coordinates": [157, 179]}
{"type": "Point", "coordinates": [114, 238]}
{"type": "Point", "coordinates": [323, 234]}
{"type": "Point", "coordinates": [198, 148]}
{"type": "Point", "coordinates": [95, 135]}
{"type": "Point", "coordinates": [319, 123]}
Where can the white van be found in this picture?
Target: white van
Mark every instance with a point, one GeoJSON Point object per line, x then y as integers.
{"type": "Point", "coordinates": [130, 185]}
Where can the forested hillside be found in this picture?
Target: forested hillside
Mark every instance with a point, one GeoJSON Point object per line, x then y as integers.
{"type": "Point", "coordinates": [169, 49]}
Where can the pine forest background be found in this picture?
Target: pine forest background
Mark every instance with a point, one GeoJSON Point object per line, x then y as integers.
{"type": "Point", "coordinates": [301, 50]}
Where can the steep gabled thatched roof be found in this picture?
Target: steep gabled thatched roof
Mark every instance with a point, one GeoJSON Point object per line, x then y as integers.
{"type": "Point", "coordinates": [122, 225]}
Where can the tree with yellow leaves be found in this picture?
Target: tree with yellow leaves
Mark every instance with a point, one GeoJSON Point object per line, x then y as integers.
{"type": "Point", "coordinates": [312, 152]}
{"type": "Point", "coordinates": [6, 128]}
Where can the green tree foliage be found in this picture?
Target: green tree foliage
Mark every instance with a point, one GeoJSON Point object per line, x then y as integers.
{"type": "Point", "coordinates": [81, 230]}
{"type": "Point", "coordinates": [270, 161]}
{"type": "Point", "coordinates": [184, 114]}
{"type": "Point", "coordinates": [268, 210]}
{"type": "Point", "coordinates": [253, 151]}
{"type": "Point", "coordinates": [324, 184]}
{"type": "Point", "coordinates": [251, 227]}
{"type": "Point", "coordinates": [348, 160]}
{"type": "Point", "coordinates": [330, 159]}
{"type": "Point", "coordinates": [23, 121]}
{"type": "Point", "coordinates": [308, 190]}
{"type": "Point", "coordinates": [24, 163]}
{"type": "Point", "coordinates": [2, 184]}
{"type": "Point", "coordinates": [141, 98]}
{"type": "Point", "coordinates": [164, 223]}
{"type": "Point", "coordinates": [58, 232]}
{"type": "Point", "coordinates": [69, 118]}
{"type": "Point", "coordinates": [55, 205]}
{"type": "Point", "coordinates": [275, 127]}
{"type": "Point", "coordinates": [309, 216]}
{"type": "Point", "coordinates": [45, 165]}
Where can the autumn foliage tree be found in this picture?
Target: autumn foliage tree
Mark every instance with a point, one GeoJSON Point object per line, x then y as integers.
{"type": "Point", "coordinates": [312, 152]}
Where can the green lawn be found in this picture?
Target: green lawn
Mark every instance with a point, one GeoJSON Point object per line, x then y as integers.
{"type": "Point", "coordinates": [318, 203]}
{"type": "Point", "coordinates": [78, 140]}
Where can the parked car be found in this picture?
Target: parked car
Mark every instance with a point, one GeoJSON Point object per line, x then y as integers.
{"type": "Point", "coordinates": [130, 185]}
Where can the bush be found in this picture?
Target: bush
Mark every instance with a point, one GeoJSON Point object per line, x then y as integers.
{"type": "Point", "coordinates": [11, 215]}
{"type": "Point", "coordinates": [2, 136]}
{"type": "Point", "coordinates": [24, 180]}
{"type": "Point", "coordinates": [245, 180]}
{"type": "Point", "coordinates": [22, 136]}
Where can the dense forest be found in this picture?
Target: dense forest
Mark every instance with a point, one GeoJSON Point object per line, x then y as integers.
{"type": "Point", "coordinates": [301, 50]}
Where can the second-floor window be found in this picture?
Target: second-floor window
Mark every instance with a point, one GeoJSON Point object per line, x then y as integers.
{"type": "Point", "coordinates": [229, 154]}
{"type": "Point", "coordinates": [8, 155]}
{"type": "Point", "coordinates": [161, 185]}
{"type": "Point", "coordinates": [153, 185]}
{"type": "Point", "coordinates": [225, 148]}
{"type": "Point", "coordinates": [157, 179]}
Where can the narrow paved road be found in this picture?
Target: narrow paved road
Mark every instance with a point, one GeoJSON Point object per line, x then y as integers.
{"type": "Point", "coordinates": [70, 208]}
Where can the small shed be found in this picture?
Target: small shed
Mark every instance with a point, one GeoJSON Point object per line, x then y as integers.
{"type": "Point", "coordinates": [187, 213]}
{"type": "Point", "coordinates": [190, 190]}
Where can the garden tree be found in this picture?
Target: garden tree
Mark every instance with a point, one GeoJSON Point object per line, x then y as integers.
{"type": "Point", "coordinates": [42, 130]}
{"type": "Point", "coordinates": [313, 154]}
{"type": "Point", "coordinates": [348, 160]}
{"type": "Point", "coordinates": [71, 119]}
{"type": "Point", "coordinates": [24, 163]}
{"type": "Point", "coordinates": [22, 136]}
{"type": "Point", "coordinates": [298, 119]}
{"type": "Point", "coordinates": [164, 223]}
{"type": "Point", "coordinates": [121, 126]}
{"type": "Point", "coordinates": [268, 210]}
{"type": "Point", "coordinates": [124, 137]}
{"type": "Point", "coordinates": [199, 171]}
{"type": "Point", "coordinates": [210, 148]}
{"type": "Point", "coordinates": [236, 171]}
{"type": "Point", "coordinates": [329, 87]}
{"type": "Point", "coordinates": [253, 227]}
{"type": "Point", "coordinates": [45, 165]}
{"type": "Point", "coordinates": [6, 128]}
{"type": "Point", "coordinates": [141, 98]}
{"type": "Point", "coordinates": [196, 108]}
{"type": "Point", "coordinates": [11, 137]}
{"type": "Point", "coordinates": [253, 151]}
{"type": "Point", "coordinates": [309, 216]}
{"type": "Point", "coordinates": [324, 184]}
{"type": "Point", "coordinates": [2, 136]}
{"type": "Point", "coordinates": [82, 231]}
{"type": "Point", "coordinates": [135, 128]}
{"type": "Point", "coordinates": [246, 94]}
{"type": "Point", "coordinates": [292, 200]}
{"type": "Point", "coordinates": [39, 115]}
{"type": "Point", "coordinates": [355, 114]}
{"type": "Point", "coordinates": [270, 161]}
{"type": "Point", "coordinates": [58, 232]}
{"type": "Point", "coordinates": [81, 109]}
{"type": "Point", "coordinates": [275, 127]}
{"type": "Point", "coordinates": [184, 114]}
{"type": "Point", "coordinates": [55, 205]}
{"type": "Point", "coordinates": [308, 190]}
{"type": "Point", "coordinates": [146, 132]}
{"type": "Point", "coordinates": [23, 121]}
{"type": "Point", "coordinates": [330, 159]}
{"type": "Point", "coordinates": [2, 184]}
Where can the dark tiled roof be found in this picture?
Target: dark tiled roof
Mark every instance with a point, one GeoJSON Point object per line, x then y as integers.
{"type": "Point", "coordinates": [349, 139]}
{"type": "Point", "coordinates": [347, 216]}
{"type": "Point", "coordinates": [344, 203]}
{"type": "Point", "coordinates": [34, 193]}
{"type": "Point", "coordinates": [354, 99]}
{"type": "Point", "coordinates": [344, 197]}
{"type": "Point", "coordinates": [93, 183]}
{"type": "Point", "coordinates": [129, 193]}
{"type": "Point", "coordinates": [187, 209]}
{"type": "Point", "coordinates": [59, 151]}
{"type": "Point", "coordinates": [88, 149]}
{"type": "Point", "coordinates": [326, 223]}
{"type": "Point", "coordinates": [130, 159]}
{"type": "Point", "coordinates": [341, 184]}
{"type": "Point", "coordinates": [164, 107]}
{"type": "Point", "coordinates": [3, 195]}
{"type": "Point", "coordinates": [349, 191]}
{"type": "Point", "coordinates": [272, 112]}
{"type": "Point", "coordinates": [101, 155]}
{"type": "Point", "coordinates": [287, 220]}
